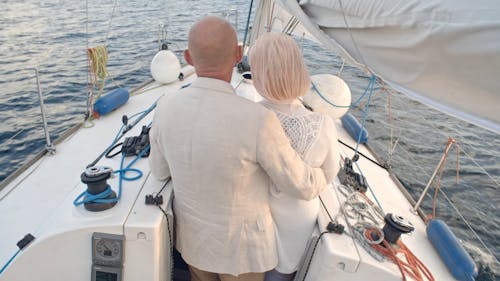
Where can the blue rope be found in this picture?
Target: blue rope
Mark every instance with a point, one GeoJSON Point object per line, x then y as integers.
{"type": "Point", "coordinates": [10, 260]}
{"type": "Point", "coordinates": [123, 171]}
{"type": "Point", "coordinates": [120, 132]}
{"type": "Point", "coordinates": [86, 197]}
{"type": "Point", "coordinates": [144, 113]}
{"type": "Point", "coordinates": [354, 104]}
{"type": "Point", "coordinates": [100, 198]}
{"type": "Point", "coordinates": [369, 91]}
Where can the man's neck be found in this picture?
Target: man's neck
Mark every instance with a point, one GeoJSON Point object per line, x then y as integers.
{"type": "Point", "coordinates": [225, 76]}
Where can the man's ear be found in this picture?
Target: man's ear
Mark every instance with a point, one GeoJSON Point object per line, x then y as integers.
{"type": "Point", "coordinates": [239, 53]}
{"type": "Point", "coordinates": [187, 57]}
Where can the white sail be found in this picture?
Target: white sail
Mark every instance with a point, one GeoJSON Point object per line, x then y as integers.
{"type": "Point", "coordinates": [444, 53]}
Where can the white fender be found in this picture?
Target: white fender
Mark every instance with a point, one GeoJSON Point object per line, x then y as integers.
{"type": "Point", "coordinates": [334, 90]}
{"type": "Point", "coordinates": [165, 67]}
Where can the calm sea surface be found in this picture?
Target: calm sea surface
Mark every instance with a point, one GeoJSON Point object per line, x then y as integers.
{"type": "Point", "coordinates": [54, 34]}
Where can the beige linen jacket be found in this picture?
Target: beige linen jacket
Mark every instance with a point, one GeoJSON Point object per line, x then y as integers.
{"type": "Point", "coordinates": [222, 152]}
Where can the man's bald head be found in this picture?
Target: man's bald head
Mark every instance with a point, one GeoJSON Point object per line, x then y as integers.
{"type": "Point", "coordinates": [212, 45]}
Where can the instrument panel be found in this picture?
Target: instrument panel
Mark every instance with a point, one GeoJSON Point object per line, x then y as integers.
{"type": "Point", "coordinates": [107, 257]}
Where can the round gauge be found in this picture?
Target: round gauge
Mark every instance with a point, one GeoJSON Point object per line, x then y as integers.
{"type": "Point", "coordinates": [108, 249]}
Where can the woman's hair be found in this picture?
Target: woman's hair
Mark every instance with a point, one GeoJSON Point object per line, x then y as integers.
{"type": "Point", "coordinates": [278, 70]}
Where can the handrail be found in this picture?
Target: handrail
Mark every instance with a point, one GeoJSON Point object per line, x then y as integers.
{"type": "Point", "coordinates": [65, 135]}
{"type": "Point", "coordinates": [49, 147]}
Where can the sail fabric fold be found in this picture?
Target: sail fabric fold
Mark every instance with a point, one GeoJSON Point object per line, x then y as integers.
{"type": "Point", "coordinates": [444, 53]}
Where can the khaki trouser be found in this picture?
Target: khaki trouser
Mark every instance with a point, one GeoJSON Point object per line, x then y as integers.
{"type": "Point", "coordinates": [200, 275]}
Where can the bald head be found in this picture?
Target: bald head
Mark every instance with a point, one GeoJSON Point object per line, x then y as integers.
{"type": "Point", "coordinates": [212, 46]}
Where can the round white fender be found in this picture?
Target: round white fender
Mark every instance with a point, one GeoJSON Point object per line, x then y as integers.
{"type": "Point", "coordinates": [332, 95]}
{"type": "Point", "coordinates": [165, 67]}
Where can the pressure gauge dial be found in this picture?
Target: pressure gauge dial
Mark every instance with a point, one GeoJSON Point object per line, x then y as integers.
{"type": "Point", "coordinates": [107, 249]}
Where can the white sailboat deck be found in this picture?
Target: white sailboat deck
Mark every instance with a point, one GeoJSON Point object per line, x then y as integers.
{"type": "Point", "coordinates": [40, 202]}
{"type": "Point", "coordinates": [349, 255]}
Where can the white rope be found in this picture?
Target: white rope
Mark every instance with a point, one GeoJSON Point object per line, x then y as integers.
{"type": "Point", "coordinates": [480, 167]}
{"type": "Point", "coordinates": [8, 141]}
{"type": "Point", "coordinates": [110, 20]}
{"type": "Point", "coordinates": [352, 38]}
{"type": "Point", "coordinates": [341, 68]}
{"type": "Point", "coordinates": [365, 215]}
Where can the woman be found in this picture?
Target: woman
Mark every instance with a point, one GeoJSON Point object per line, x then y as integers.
{"type": "Point", "coordinates": [280, 76]}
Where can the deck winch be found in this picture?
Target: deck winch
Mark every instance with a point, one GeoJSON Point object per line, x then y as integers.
{"type": "Point", "coordinates": [395, 226]}
{"type": "Point", "coordinates": [95, 178]}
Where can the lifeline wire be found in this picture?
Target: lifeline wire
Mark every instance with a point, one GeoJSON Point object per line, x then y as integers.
{"type": "Point", "coordinates": [352, 37]}
{"type": "Point", "coordinates": [454, 207]}
{"type": "Point", "coordinates": [457, 211]}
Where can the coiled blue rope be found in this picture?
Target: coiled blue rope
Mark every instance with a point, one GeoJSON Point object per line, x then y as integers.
{"type": "Point", "coordinates": [100, 198]}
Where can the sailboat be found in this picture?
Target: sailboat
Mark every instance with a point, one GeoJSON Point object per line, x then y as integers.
{"type": "Point", "coordinates": [60, 221]}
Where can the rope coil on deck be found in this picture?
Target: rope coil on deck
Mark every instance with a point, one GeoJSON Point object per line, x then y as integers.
{"type": "Point", "coordinates": [402, 256]}
{"type": "Point", "coordinates": [363, 218]}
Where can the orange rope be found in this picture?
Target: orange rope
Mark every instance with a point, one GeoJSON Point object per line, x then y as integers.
{"type": "Point", "coordinates": [438, 185]}
{"type": "Point", "coordinates": [409, 265]}
{"type": "Point", "coordinates": [438, 182]}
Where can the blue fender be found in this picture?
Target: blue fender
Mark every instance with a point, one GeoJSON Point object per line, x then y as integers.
{"type": "Point", "coordinates": [111, 101]}
{"type": "Point", "coordinates": [354, 128]}
{"type": "Point", "coordinates": [458, 261]}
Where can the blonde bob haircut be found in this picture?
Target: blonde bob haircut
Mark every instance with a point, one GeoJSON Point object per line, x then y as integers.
{"type": "Point", "coordinates": [278, 69]}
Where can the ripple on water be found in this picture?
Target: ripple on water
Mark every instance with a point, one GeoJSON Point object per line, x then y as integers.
{"type": "Point", "coordinates": [51, 35]}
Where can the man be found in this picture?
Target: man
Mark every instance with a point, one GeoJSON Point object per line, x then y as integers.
{"type": "Point", "coordinates": [222, 152]}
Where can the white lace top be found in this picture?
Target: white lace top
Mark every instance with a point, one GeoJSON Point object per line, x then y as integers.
{"type": "Point", "coordinates": [314, 137]}
{"type": "Point", "coordinates": [301, 130]}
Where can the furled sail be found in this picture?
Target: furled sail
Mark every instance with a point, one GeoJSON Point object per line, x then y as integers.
{"type": "Point", "coordinates": [444, 53]}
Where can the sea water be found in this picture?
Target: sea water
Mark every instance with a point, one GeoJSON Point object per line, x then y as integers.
{"type": "Point", "coordinates": [53, 36]}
